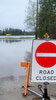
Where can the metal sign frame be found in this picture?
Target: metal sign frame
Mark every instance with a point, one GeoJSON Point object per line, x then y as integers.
{"type": "Point", "coordinates": [34, 77]}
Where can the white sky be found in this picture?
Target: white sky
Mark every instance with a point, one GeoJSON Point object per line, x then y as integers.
{"type": "Point", "coordinates": [12, 13]}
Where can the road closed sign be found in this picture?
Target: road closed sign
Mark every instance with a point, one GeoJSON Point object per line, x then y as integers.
{"type": "Point", "coordinates": [44, 61]}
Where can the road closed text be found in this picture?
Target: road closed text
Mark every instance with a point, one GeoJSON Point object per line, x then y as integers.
{"type": "Point", "coordinates": [46, 75]}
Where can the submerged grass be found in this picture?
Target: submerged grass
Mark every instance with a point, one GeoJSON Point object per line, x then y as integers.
{"type": "Point", "coordinates": [18, 38]}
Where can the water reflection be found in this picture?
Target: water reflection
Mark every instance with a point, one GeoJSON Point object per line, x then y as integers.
{"type": "Point", "coordinates": [12, 53]}
{"type": "Point", "coordinates": [9, 40]}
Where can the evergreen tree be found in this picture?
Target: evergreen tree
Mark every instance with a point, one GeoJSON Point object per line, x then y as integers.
{"type": "Point", "coordinates": [47, 18]}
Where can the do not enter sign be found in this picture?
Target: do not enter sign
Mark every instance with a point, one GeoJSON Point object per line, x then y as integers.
{"type": "Point", "coordinates": [45, 54]}
{"type": "Point", "coordinates": [44, 61]}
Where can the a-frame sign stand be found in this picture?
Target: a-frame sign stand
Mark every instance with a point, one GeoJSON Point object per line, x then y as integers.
{"type": "Point", "coordinates": [44, 95]}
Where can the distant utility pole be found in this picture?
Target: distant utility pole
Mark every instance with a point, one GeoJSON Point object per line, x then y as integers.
{"type": "Point", "coordinates": [36, 22]}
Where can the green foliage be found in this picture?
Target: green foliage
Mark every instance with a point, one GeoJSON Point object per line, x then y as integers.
{"type": "Point", "coordinates": [47, 18]}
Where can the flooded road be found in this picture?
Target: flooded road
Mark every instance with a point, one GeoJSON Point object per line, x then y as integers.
{"type": "Point", "coordinates": [12, 52]}
{"type": "Point", "coordinates": [12, 75]}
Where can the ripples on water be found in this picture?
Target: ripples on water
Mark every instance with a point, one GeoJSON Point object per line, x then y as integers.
{"type": "Point", "coordinates": [12, 52]}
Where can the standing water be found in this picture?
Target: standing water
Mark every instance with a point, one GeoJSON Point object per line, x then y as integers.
{"type": "Point", "coordinates": [12, 53]}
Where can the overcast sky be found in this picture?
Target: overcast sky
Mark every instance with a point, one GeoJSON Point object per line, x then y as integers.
{"type": "Point", "coordinates": [12, 13]}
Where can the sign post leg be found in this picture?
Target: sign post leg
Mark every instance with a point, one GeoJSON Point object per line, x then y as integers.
{"type": "Point", "coordinates": [45, 94]}
{"type": "Point", "coordinates": [27, 80]}
{"type": "Point", "coordinates": [28, 65]}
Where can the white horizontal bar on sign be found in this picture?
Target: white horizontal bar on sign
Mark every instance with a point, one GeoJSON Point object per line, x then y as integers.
{"type": "Point", "coordinates": [46, 54]}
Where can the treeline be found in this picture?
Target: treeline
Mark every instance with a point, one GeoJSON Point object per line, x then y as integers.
{"type": "Point", "coordinates": [12, 31]}
{"type": "Point", "coordinates": [42, 19]}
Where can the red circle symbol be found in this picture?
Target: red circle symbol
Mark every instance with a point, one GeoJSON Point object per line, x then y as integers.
{"type": "Point", "coordinates": [45, 54]}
